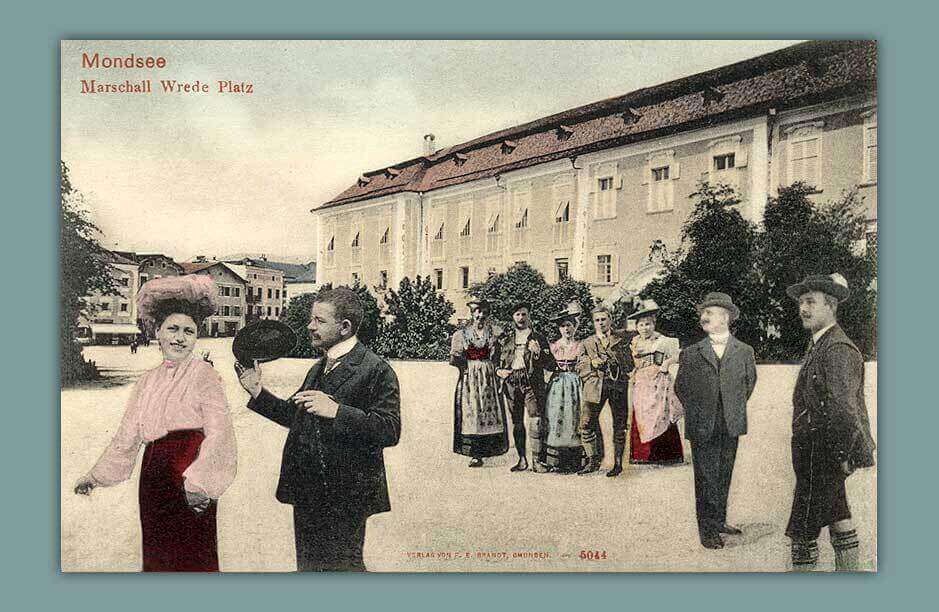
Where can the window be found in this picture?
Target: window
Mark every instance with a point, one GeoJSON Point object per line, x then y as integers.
{"type": "Point", "coordinates": [221, 291]}
{"type": "Point", "coordinates": [521, 221]}
{"type": "Point", "coordinates": [269, 293]}
{"type": "Point", "coordinates": [660, 174]}
{"type": "Point", "coordinates": [105, 305]}
{"type": "Point", "coordinates": [438, 278]}
{"type": "Point", "coordinates": [466, 228]}
{"type": "Point", "coordinates": [237, 311]}
{"type": "Point", "coordinates": [604, 269]}
{"type": "Point", "coordinates": [276, 294]}
{"type": "Point", "coordinates": [237, 291]}
{"type": "Point", "coordinates": [272, 278]}
{"type": "Point", "coordinates": [276, 311]}
{"type": "Point", "coordinates": [355, 278]}
{"type": "Point", "coordinates": [464, 277]}
{"type": "Point", "coordinates": [724, 162]}
{"type": "Point", "coordinates": [285, 294]}
{"type": "Point", "coordinates": [384, 236]}
{"type": "Point", "coordinates": [226, 291]}
{"type": "Point", "coordinates": [870, 148]}
{"type": "Point", "coordinates": [259, 293]}
{"type": "Point", "coordinates": [437, 244]}
{"type": "Point", "coordinates": [383, 279]}
{"type": "Point", "coordinates": [605, 183]}
{"type": "Point", "coordinates": [144, 278]}
{"type": "Point", "coordinates": [604, 196]}
{"type": "Point", "coordinates": [332, 244]}
{"type": "Point", "coordinates": [355, 244]}
{"type": "Point", "coordinates": [123, 306]}
{"type": "Point", "coordinates": [268, 311]}
{"type": "Point", "coordinates": [226, 311]}
{"type": "Point", "coordinates": [439, 234]}
{"type": "Point", "coordinates": [804, 148]}
{"type": "Point", "coordinates": [562, 267]}
{"type": "Point", "coordinates": [563, 213]}
{"type": "Point", "coordinates": [124, 281]}
{"type": "Point", "coordinates": [491, 272]}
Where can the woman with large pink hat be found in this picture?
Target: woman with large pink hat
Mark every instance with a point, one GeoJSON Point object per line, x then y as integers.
{"type": "Point", "coordinates": [179, 413]}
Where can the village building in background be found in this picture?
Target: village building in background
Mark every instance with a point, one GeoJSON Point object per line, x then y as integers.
{"type": "Point", "coordinates": [112, 319]}
{"type": "Point", "coordinates": [153, 265]}
{"type": "Point", "coordinates": [232, 297]}
{"type": "Point", "coordinates": [584, 193]}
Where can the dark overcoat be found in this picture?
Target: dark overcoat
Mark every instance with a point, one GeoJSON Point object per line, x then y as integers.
{"type": "Point", "coordinates": [706, 385]}
{"type": "Point", "coordinates": [338, 464]}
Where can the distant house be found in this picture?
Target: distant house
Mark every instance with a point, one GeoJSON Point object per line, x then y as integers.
{"type": "Point", "coordinates": [112, 319]}
{"type": "Point", "coordinates": [153, 265]}
{"type": "Point", "coordinates": [232, 297]}
{"type": "Point", "coordinates": [297, 278]}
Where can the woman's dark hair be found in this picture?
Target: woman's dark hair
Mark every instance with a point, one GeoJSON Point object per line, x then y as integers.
{"type": "Point", "coordinates": [197, 311]}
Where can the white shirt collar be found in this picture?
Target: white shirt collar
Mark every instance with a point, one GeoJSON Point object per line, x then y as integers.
{"type": "Point", "coordinates": [817, 335]}
{"type": "Point", "coordinates": [340, 349]}
{"type": "Point", "coordinates": [720, 338]}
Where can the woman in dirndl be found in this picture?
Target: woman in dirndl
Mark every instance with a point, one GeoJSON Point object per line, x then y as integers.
{"type": "Point", "coordinates": [656, 410]}
{"type": "Point", "coordinates": [479, 424]}
{"type": "Point", "coordinates": [178, 411]}
{"type": "Point", "coordinates": [564, 450]}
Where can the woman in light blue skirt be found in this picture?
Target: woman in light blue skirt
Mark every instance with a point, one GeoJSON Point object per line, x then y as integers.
{"type": "Point", "coordinates": [564, 451]}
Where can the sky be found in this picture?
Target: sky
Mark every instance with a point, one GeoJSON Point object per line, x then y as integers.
{"type": "Point", "coordinates": [212, 174]}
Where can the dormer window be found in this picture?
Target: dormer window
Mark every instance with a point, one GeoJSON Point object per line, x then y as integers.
{"type": "Point", "coordinates": [712, 94]}
{"type": "Point", "coordinates": [364, 180]}
{"type": "Point", "coordinates": [564, 132]}
{"type": "Point", "coordinates": [392, 172]}
{"type": "Point", "coordinates": [631, 116]}
{"type": "Point", "coordinates": [508, 146]}
{"type": "Point", "coordinates": [460, 158]}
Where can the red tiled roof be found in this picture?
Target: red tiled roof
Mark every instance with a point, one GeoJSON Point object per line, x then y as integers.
{"type": "Point", "coordinates": [192, 268]}
{"type": "Point", "coordinates": [799, 75]}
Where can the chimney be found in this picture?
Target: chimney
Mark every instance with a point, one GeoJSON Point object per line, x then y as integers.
{"type": "Point", "coordinates": [429, 146]}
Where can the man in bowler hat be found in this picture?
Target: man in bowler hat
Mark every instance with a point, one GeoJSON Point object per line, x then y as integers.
{"type": "Point", "coordinates": [345, 413]}
{"type": "Point", "coordinates": [831, 435]}
{"type": "Point", "coordinates": [716, 377]}
{"type": "Point", "coordinates": [523, 358]}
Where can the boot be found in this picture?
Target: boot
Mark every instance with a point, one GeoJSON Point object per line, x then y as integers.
{"type": "Point", "coordinates": [537, 457]}
{"type": "Point", "coordinates": [845, 544]}
{"type": "Point", "coordinates": [804, 555]}
{"type": "Point", "coordinates": [593, 459]}
{"type": "Point", "coordinates": [618, 450]}
{"type": "Point", "coordinates": [522, 465]}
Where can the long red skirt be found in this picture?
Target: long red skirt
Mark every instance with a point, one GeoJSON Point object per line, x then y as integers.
{"type": "Point", "coordinates": [175, 539]}
{"type": "Point", "coordinates": [665, 449]}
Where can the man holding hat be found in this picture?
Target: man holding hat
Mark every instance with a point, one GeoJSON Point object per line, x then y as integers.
{"type": "Point", "coordinates": [831, 434]}
{"type": "Point", "coordinates": [524, 356]}
{"type": "Point", "coordinates": [716, 377]}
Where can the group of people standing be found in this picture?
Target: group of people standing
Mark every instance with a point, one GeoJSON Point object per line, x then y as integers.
{"type": "Point", "coordinates": [716, 376]}
{"type": "Point", "coordinates": [558, 418]}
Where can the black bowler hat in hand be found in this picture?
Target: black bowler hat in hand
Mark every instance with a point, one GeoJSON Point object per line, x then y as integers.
{"type": "Point", "coordinates": [261, 341]}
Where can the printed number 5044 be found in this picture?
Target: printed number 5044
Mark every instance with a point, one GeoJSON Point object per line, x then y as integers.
{"type": "Point", "coordinates": [592, 555]}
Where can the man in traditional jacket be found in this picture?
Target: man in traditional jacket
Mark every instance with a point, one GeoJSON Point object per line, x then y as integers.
{"type": "Point", "coordinates": [715, 379]}
{"type": "Point", "coordinates": [604, 367]}
{"type": "Point", "coordinates": [524, 356]}
{"type": "Point", "coordinates": [831, 435]}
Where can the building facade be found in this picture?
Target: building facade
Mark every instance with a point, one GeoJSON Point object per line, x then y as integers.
{"type": "Point", "coordinates": [112, 319]}
{"type": "Point", "coordinates": [229, 317]}
{"type": "Point", "coordinates": [266, 297]}
{"type": "Point", "coordinates": [585, 193]}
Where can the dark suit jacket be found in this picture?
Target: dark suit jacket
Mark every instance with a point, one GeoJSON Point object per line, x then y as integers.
{"type": "Point", "coordinates": [338, 463]}
{"type": "Point", "coordinates": [829, 400]}
{"type": "Point", "coordinates": [619, 351]}
{"type": "Point", "coordinates": [705, 385]}
{"type": "Point", "coordinates": [535, 365]}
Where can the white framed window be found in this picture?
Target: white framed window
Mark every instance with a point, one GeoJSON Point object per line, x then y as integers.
{"type": "Point", "coordinates": [521, 221]}
{"type": "Point", "coordinates": [662, 170]}
{"type": "Point", "coordinates": [383, 279]}
{"type": "Point", "coordinates": [226, 311]}
{"type": "Point", "coordinates": [106, 306]}
{"type": "Point", "coordinates": [870, 148]}
{"type": "Point", "coordinates": [237, 291]}
{"type": "Point", "coordinates": [355, 244]}
{"type": "Point", "coordinates": [562, 268]}
{"type": "Point", "coordinates": [466, 230]}
{"type": "Point", "coordinates": [464, 277]}
{"type": "Point", "coordinates": [804, 144]}
{"type": "Point", "coordinates": [355, 278]}
{"type": "Point", "coordinates": [124, 306]}
{"type": "Point", "coordinates": [384, 236]}
{"type": "Point", "coordinates": [439, 235]}
{"type": "Point", "coordinates": [604, 192]}
{"type": "Point", "coordinates": [438, 278]}
{"type": "Point", "coordinates": [724, 161]}
{"type": "Point", "coordinates": [330, 247]}
{"type": "Point", "coordinates": [604, 269]}
{"type": "Point", "coordinates": [237, 311]}
{"type": "Point", "coordinates": [493, 224]}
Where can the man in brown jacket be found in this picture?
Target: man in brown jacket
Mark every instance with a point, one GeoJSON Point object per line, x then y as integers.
{"type": "Point", "coordinates": [715, 379]}
{"type": "Point", "coordinates": [831, 435]}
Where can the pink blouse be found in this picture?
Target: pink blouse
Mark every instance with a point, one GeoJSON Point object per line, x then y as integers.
{"type": "Point", "coordinates": [173, 396]}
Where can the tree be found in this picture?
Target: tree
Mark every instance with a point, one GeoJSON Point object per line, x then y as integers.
{"type": "Point", "coordinates": [416, 322]}
{"type": "Point", "coordinates": [521, 282]}
{"type": "Point", "coordinates": [717, 253]}
{"type": "Point", "coordinates": [802, 238]}
{"type": "Point", "coordinates": [298, 318]}
{"type": "Point", "coordinates": [85, 271]}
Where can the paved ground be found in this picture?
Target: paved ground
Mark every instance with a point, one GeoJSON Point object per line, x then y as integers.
{"type": "Point", "coordinates": [445, 516]}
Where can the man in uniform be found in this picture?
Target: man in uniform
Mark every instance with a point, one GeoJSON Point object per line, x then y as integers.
{"type": "Point", "coordinates": [524, 356]}
{"type": "Point", "coordinates": [604, 367]}
{"type": "Point", "coordinates": [716, 377]}
{"type": "Point", "coordinates": [831, 434]}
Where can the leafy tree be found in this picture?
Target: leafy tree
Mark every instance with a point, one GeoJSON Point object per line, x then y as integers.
{"type": "Point", "coordinates": [416, 322]}
{"type": "Point", "coordinates": [521, 282]}
{"type": "Point", "coordinates": [802, 238]}
{"type": "Point", "coordinates": [298, 317]}
{"type": "Point", "coordinates": [717, 253]}
{"type": "Point", "coordinates": [85, 271]}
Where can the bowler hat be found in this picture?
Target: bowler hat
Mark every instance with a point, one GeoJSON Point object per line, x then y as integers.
{"type": "Point", "coordinates": [716, 298]}
{"type": "Point", "coordinates": [519, 305]}
{"type": "Point", "coordinates": [646, 308]}
{"type": "Point", "coordinates": [264, 340]}
{"type": "Point", "coordinates": [834, 285]}
{"type": "Point", "coordinates": [478, 303]}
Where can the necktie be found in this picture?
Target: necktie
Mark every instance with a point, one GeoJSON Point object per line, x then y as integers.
{"type": "Point", "coordinates": [331, 363]}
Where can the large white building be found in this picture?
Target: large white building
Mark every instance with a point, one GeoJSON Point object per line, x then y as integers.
{"type": "Point", "coordinates": [585, 192]}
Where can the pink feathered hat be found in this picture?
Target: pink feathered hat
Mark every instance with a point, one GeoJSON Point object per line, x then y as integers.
{"type": "Point", "coordinates": [192, 294]}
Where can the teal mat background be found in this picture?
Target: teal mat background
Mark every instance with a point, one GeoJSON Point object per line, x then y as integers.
{"type": "Point", "coordinates": [30, 444]}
